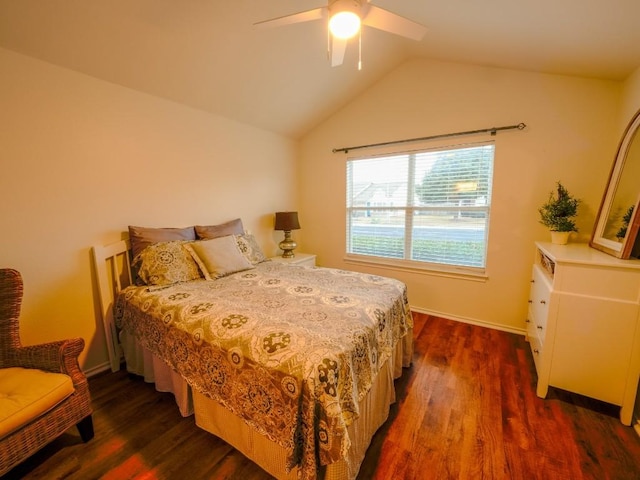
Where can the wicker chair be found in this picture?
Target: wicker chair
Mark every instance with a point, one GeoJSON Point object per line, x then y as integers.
{"type": "Point", "coordinates": [57, 357]}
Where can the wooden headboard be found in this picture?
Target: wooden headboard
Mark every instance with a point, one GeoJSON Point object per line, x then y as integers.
{"type": "Point", "coordinates": [113, 271]}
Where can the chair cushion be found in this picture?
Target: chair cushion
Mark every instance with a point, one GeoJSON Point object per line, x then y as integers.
{"type": "Point", "coordinates": [27, 393]}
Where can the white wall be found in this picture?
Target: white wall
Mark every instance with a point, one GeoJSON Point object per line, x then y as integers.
{"type": "Point", "coordinates": [81, 159]}
{"type": "Point", "coordinates": [630, 99]}
{"type": "Point", "coordinates": [571, 136]}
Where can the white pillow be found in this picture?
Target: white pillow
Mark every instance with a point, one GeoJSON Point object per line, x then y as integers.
{"type": "Point", "coordinates": [218, 257]}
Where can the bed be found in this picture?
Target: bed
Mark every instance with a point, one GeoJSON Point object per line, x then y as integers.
{"type": "Point", "coordinates": [292, 365]}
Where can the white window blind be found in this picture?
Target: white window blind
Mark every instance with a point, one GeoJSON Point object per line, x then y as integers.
{"type": "Point", "coordinates": [429, 206]}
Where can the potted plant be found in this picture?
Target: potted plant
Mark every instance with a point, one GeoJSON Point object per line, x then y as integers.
{"type": "Point", "coordinates": [626, 218]}
{"type": "Point", "coordinates": [557, 214]}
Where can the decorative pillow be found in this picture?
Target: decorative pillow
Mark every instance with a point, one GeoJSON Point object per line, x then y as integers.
{"type": "Point", "coordinates": [166, 263]}
{"type": "Point", "coordinates": [250, 249]}
{"type": "Point", "coordinates": [142, 237]}
{"type": "Point", "coordinates": [218, 257]}
{"type": "Point", "coordinates": [232, 227]}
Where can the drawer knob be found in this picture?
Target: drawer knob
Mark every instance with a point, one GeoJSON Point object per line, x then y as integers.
{"type": "Point", "coordinates": [543, 302]}
{"type": "Point", "coordinates": [536, 351]}
{"type": "Point", "coordinates": [533, 281]}
{"type": "Point", "coordinates": [539, 327]}
{"type": "Point", "coordinates": [528, 321]}
{"type": "Point", "coordinates": [530, 301]}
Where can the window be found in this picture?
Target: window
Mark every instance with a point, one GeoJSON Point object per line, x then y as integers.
{"type": "Point", "coordinates": [426, 209]}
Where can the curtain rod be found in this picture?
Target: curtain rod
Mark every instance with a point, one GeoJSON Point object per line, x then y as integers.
{"type": "Point", "coordinates": [492, 130]}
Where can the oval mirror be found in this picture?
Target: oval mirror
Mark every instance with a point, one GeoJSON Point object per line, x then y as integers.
{"type": "Point", "coordinates": [616, 228]}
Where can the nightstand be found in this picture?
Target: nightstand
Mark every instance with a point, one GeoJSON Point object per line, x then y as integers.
{"type": "Point", "coordinates": [306, 259]}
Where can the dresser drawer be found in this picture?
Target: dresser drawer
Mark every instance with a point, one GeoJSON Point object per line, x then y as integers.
{"type": "Point", "coordinates": [539, 298]}
{"type": "Point", "coordinates": [306, 259]}
{"type": "Point", "coordinates": [536, 350]}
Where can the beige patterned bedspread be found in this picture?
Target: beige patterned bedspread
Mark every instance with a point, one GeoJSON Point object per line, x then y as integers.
{"type": "Point", "coordinates": [289, 349]}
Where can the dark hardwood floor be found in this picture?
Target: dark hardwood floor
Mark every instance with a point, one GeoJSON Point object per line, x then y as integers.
{"type": "Point", "coordinates": [466, 409]}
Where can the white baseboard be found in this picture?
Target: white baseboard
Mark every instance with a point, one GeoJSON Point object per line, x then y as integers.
{"type": "Point", "coordinates": [472, 321]}
{"type": "Point", "coordinates": [93, 371]}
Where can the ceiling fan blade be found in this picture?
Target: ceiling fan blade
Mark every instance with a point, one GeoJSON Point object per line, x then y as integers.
{"type": "Point", "coordinates": [382, 19]}
{"type": "Point", "coordinates": [306, 16]}
{"type": "Point", "coordinates": [338, 47]}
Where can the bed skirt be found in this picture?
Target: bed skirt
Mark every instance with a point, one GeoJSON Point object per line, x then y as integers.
{"type": "Point", "coordinates": [271, 457]}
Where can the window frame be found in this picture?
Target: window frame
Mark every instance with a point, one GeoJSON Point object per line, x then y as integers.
{"type": "Point", "coordinates": [477, 273]}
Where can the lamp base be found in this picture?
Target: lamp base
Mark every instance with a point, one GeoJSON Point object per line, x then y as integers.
{"type": "Point", "coordinates": [287, 245]}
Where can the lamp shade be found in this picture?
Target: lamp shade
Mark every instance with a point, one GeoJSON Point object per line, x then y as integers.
{"type": "Point", "coordinates": [287, 221]}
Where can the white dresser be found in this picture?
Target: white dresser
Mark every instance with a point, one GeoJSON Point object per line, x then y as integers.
{"type": "Point", "coordinates": [306, 259]}
{"type": "Point", "coordinates": [583, 323]}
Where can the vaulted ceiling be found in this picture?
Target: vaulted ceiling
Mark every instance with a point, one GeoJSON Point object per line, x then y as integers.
{"type": "Point", "coordinates": [208, 55]}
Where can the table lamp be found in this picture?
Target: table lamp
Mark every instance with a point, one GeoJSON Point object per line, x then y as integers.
{"type": "Point", "coordinates": [287, 221]}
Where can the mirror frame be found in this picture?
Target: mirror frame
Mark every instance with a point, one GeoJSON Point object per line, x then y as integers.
{"type": "Point", "coordinates": [598, 241]}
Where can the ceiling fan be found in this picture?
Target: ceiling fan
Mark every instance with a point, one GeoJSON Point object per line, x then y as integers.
{"type": "Point", "coordinates": [345, 20]}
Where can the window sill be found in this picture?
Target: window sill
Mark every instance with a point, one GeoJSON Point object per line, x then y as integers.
{"type": "Point", "coordinates": [462, 273]}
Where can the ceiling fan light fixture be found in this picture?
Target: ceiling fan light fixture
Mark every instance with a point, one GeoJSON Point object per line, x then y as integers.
{"type": "Point", "coordinates": [344, 24]}
{"type": "Point", "coordinates": [346, 20]}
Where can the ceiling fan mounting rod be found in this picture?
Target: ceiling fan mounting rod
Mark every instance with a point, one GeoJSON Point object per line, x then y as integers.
{"type": "Point", "coordinates": [354, 6]}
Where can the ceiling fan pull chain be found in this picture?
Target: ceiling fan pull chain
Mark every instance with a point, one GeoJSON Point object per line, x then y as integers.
{"type": "Point", "coordinates": [360, 51]}
{"type": "Point", "coordinates": [328, 43]}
